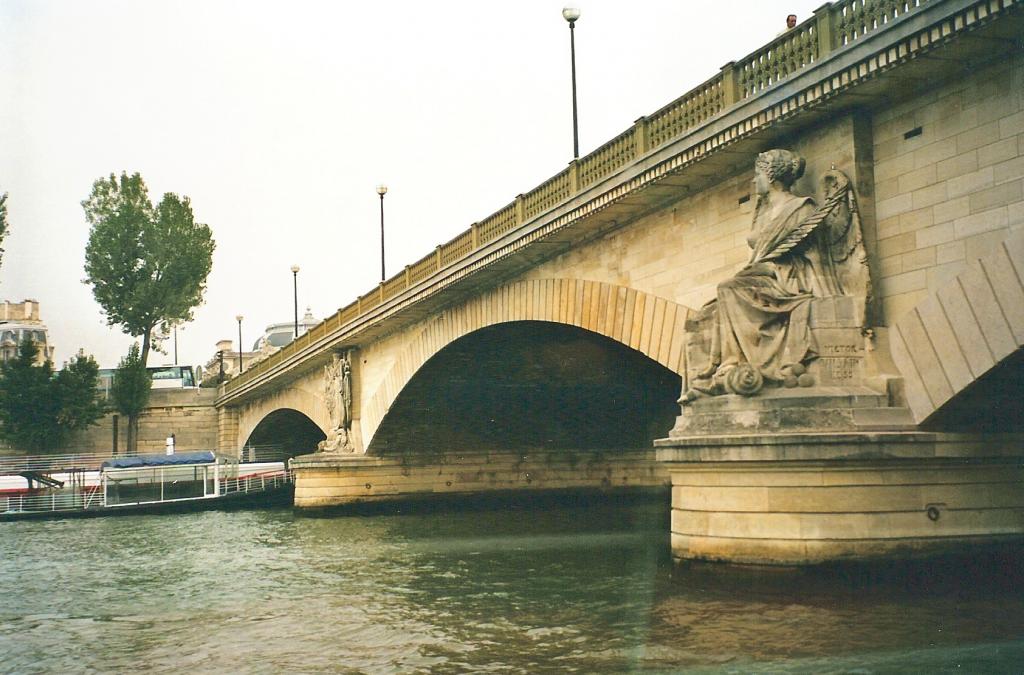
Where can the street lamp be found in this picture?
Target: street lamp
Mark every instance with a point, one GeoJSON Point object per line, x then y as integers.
{"type": "Point", "coordinates": [571, 14]}
{"type": "Point", "coordinates": [295, 288]}
{"type": "Point", "coordinates": [238, 318]}
{"type": "Point", "coordinates": [382, 190]}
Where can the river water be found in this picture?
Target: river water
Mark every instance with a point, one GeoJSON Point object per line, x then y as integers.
{"type": "Point", "coordinates": [552, 588]}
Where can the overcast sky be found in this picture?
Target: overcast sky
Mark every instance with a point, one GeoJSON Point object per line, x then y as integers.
{"type": "Point", "coordinates": [278, 119]}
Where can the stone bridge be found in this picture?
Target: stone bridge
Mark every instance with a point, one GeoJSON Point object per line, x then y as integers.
{"type": "Point", "coordinates": [546, 346]}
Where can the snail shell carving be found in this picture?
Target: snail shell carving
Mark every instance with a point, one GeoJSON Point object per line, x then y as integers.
{"type": "Point", "coordinates": [744, 380]}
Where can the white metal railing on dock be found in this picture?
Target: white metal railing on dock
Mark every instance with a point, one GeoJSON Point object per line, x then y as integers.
{"type": "Point", "coordinates": [93, 498]}
{"type": "Point", "coordinates": [257, 482]}
{"type": "Point", "coordinates": [13, 464]}
{"type": "Point", "coordinates": [54, 501]}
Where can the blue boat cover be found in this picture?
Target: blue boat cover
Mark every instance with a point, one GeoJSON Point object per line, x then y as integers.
{"type": "Point", "coordinates": [177, 459]}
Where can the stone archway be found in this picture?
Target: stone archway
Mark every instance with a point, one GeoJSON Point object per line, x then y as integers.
{"type": "Point", "coordinates": [641, 321]}
{"type": "Point", "coordinates": [963, 333]}
{"type": "Point", "coordinates": [285, 432]}
{"type": "Point", "coordinates": [298, 399]}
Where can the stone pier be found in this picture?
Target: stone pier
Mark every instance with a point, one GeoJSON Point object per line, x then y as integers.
{"type": "Point", "coordinates": [326, 480]}
{"type": "Point", "coordinates": [806, 498]}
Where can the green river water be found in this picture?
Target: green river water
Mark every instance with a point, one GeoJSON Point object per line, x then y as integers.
{"type": "Point", "coordinates": [519, 589]}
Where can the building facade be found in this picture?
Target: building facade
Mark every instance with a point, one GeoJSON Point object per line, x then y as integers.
{"type": "Point", "coordinates": [20, 321]}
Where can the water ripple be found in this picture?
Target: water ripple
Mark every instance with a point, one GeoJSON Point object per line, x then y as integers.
{"type": "Point", "coordinates": [557, 590]}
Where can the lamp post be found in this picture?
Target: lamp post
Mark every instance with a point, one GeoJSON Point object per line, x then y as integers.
{"type": "Point", "coordinates": [238, 318]}
{"type": "Point", "coordinates": [175, 344]}
{"type": "Point", "coordinates": [382, 190]}
{"type": "Point", "coordinates": [295, 289]}
{"type": "Point", "coordinates": [571, 14]}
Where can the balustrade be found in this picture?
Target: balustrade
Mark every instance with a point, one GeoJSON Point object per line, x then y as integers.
{"type": "Point", "coordinates": [394, 286]}
{"type": "Point", "coordinates": [854, 19]}
{"type": "Point", "coordinates": [497, 224]}
{"type": "Point", "coordinates": [370, 300]}
{"type": "Point", "coordinates": [422, 269]}
{"type": "Point", "coordinates": [547, 195]}
{"type": "Point", "coordinates": [793, 51]}
{"type": "Point", "coordinates": [613, 155]}
{"type": "Point", "coordinates": [457, 248]}
{"type": "Point", "coordinates": [348, 313]}
{"type": "Point", "coordinates": [316, 332]}
{"type": "Point", "coordinates": [686, 112]}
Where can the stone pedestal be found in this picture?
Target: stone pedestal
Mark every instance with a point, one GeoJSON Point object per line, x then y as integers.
{"type": "Point", "coordinates": [780, 410]}
{"type": "Point", "coordinates": [807, 498]}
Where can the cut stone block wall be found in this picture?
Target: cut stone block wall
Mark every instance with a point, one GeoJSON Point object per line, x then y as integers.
{"type": "Point", "coordinates": [323, 481]}
{"type": "Point", "coordinates": [949, 171]}
{"type": "Point", "coordinates": [969, 326]}
{"type": "Point", "coordinates": [187, 413]}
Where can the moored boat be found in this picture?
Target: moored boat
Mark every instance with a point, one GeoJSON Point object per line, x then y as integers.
{"type": "Point", "coordinates": [144, 484]}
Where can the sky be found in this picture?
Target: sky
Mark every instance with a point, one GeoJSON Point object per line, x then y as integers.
{"type": "Point", "coordinates": [279, 119]}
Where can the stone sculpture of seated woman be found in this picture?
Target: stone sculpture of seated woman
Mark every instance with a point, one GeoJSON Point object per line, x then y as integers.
{"type": "Point", "coordinates": [760, 317]}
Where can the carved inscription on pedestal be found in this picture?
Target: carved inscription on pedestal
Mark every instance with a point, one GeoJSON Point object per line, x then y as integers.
{"type": "Point", "coordinates": [840, 363]}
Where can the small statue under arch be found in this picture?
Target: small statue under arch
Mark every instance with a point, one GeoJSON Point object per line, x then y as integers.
{"type": "Point", "coordinates": [338, 400]}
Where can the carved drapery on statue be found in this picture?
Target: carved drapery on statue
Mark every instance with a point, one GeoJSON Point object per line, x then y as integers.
{"type": "Point", "coordinates": [338, 400]}
{"type": "Point", "coordinates": [757, 330]}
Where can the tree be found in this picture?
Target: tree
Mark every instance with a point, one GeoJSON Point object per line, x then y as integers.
{"type": "Point", "coordinates": [80, 405]}
{"type": "Point", "coordinates": [147, 266]}
{"type": "Point", "coordinates": [27, 409]}
{"type": "Point", "coordinates": [130, 392]}
{"type": "Point", "coordinates": [39, 411]}
{"type": "Point", "coordinates": [3, 222]}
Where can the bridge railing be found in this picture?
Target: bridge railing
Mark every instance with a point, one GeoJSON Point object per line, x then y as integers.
{"type": "Point", "coordinates": [831, 28]}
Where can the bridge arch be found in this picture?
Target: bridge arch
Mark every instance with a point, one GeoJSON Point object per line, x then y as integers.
{"type": "Point", "coordinates": [285, 431]}
{"type": "Point", "coordinates": [960, 349]}
{"type": "Point", "coordinates": [649, 324]}
{"type": "Point", "coordinates": [275, 408]}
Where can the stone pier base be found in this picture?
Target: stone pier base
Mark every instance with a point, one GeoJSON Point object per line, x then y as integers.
{"type": "Point", "coordinates": [807, 498]}
{"type": "Point", "coordinates": [325, 480]}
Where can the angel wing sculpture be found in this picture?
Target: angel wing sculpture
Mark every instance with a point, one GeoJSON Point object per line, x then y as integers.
{"type": "Point", "coordinates": [799, 251]}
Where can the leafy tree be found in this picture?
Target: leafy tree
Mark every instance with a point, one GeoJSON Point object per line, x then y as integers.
{"type": "Point", "coordinates": [147, 265]}
{"type": "Point", "coordinates": [3, 222]}
{"type": "Point", "coordinates": [80, 405]}
{"type": "Point", "coordinates": [40, 411]}
{"type": "Point", "coordinates": [130, 392]}
{"type": "Point", "coordinates": [28, 412]}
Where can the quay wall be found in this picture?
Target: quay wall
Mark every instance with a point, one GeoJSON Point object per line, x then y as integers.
{"type": "Point", "coordinates": [189, 414]}
{"type": "Point", "coordinates": [327, 480]}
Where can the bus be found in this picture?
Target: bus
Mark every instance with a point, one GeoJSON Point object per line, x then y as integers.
{"type": "Point", "coordinates": [163, 377]}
